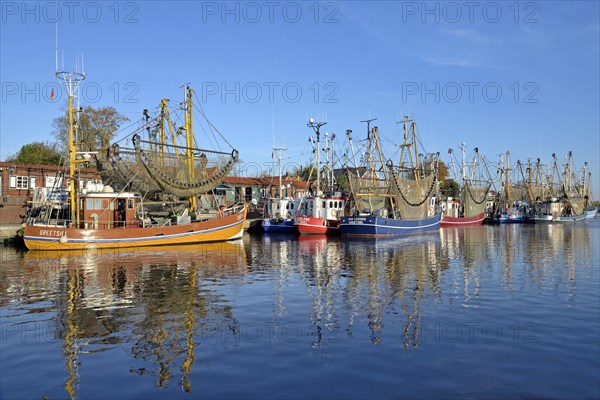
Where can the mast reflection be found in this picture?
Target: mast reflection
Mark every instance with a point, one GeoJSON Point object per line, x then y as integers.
{"type": "Point", "coordinates": [158, 300]}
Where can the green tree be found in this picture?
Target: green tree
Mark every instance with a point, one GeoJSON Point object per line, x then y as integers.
{"type": "Point", "coordinates": [308, 173]}
{"type": "Point", "coordinates": [96, 127]}
{"type": "Point", "coordinates": [36, 153]}
{"type": "Point", "coordinates": [449, 188]}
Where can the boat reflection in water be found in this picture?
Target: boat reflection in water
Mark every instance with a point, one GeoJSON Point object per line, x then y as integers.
{"type": "Point", "coordinates": [156, 300]}
{"type": "Point", "coordinates": [391, 278]}
{"type": "Point", "coordinates": [193, 318]}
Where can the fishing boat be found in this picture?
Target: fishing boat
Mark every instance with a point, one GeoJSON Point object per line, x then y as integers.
{"type": "Point", "coordinates": [279, 215]}
{"type": "Point", "coordinates": [591, 210]}
{"type": "Point", "coordinates": [575, 196]}
{"type": "Point", "coordinates": [468, 209]}
{"type": "Point", "coordinates": [390, 200]}
{"type": "Point", "coordinates": [98, 217]}
{"type": "Point", "coordinates": [509, 207]}
{"type": "Point", "coordinates": [543, 191]}
{"type": "Point", "coordinates": [319, 213]}
{"type": "Point", "coordinates": [280, 211]}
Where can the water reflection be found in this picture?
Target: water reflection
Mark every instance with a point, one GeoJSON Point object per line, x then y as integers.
{"type": "Point", "coordinates": [156, 301]}
{"type": "Point", "coordinates": [158, 304]}
{"type": "Point", "coordinates": [392, 278]}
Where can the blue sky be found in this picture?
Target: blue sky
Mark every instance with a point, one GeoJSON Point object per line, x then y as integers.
{"type": "Point", "coordinates": [502, 76]}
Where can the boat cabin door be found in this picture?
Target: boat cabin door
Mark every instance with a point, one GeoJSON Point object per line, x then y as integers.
{"type": "Point", "coordinates": [121, 213]}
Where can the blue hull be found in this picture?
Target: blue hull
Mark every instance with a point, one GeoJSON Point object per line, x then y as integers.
{"type": "Point", "coordinates": [272, 225]}
{"type": "Point", "coordinates": [516, 220]}
{"type": "Point", "coordinates": [377, 226]}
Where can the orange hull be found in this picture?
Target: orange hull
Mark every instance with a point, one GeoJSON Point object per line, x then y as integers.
{"type": "Point", "coordinates": [43, 237]}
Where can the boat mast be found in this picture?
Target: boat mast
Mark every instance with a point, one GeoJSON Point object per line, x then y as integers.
{"type": "Point", "coordinates": [327, 161]}
{"type": "Point", "coordinates": [416, 149]}
{"type": "Point", "coordinates": [71, 81]}
{"type": "Point", "coordinates": [332, 161]}
{"type": "Point", "coordinates": [349, 135]}
{"type": "Point", "coordinates": [368, 154]}
{"type": "Point", "coordinates": [586, 182]}
{"type": "Point", "coordinates": [474, 164]}
{"type": "Point", "coordinates": [279, 149]}
{"type": "Point", "coordinates": [464, 164]}
{"type": "Point", "coordinates": [189, 138]}
{"type": "Point", "coordinates": [414, 158]}
{"type": "Point", "coordinates": [316, 126]}
{"type": "Point", "coordinates": [507, 181]}
{"type": "Point", "coordinates": [163, 105]}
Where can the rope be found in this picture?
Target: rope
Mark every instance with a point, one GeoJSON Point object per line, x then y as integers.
{"type": "Point", "coordinates": [201, 110]}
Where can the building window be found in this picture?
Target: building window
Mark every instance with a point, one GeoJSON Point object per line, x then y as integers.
{"type": "Point", "coordinates": [22, 182]}
{"type": "Point", "coordinates": [12, 182]}
{"type": "Point", "coordinates": [32, 182]}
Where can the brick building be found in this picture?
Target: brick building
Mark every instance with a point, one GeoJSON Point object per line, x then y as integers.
{"type": "Point", "coordinates": [20, 183]}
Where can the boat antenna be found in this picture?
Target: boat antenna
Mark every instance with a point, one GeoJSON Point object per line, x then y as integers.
{"type": "Point", "coordinates": [368, 122]}
{"type": "Point", "coordinates": [56, 41]}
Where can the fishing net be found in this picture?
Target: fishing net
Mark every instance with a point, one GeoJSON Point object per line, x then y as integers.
{"type": "Point", "coordinates": [370, 191]}
{"type": "Point", "coordinates": [577, 205]}
{"type": "Point", "coordinates": [412, 196]}
{"type": "Point", "coordinates": [170, 169]}
{"type": "Point", "coordinates": [475, 196]}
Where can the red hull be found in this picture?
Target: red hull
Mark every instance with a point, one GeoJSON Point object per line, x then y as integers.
{"type": "Point", "coordinates": [462, 221]}
{"type": "Point", "coordinates": [316, 226]}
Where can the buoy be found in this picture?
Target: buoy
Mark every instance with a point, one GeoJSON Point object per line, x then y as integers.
{"type": "Point", "coordinates": [63, 239]}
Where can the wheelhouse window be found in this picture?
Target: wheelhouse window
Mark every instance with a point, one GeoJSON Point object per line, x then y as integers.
{"type": "Point", "coordinates": [93, 204]}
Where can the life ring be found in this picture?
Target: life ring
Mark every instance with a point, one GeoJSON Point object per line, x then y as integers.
{"type": "Point", "coordinates": [334, 213]}
{"type": "Point", "coordinates": [431, 210]}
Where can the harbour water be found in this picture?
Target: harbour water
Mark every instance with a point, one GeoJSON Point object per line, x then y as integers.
{"type": "Point", "coordinates": [507, 311]}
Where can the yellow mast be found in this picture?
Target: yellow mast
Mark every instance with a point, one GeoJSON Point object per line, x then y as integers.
{"type": "Point", "coordinates": [71, 80]}
{"type": "Point", "coordinates": [190, 321]}
{"type": "Point", "coordinates": [72, 159]}
{"type": "Point", "coordinates": [167, 117]}
{"type": "Point", "coordinates": [189, 140]}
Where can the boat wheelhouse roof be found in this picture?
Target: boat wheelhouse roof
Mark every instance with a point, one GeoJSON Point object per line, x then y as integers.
{"type": "Point", "coordinates": [111, 195]}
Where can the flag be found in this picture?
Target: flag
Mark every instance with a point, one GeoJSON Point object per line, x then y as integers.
{"type": "Point", "coordinates": [52, 94]}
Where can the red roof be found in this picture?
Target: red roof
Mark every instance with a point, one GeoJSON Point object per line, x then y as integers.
{"type": "Point", "coordinates": [265, 181]}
